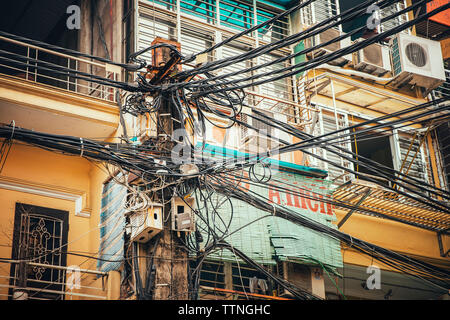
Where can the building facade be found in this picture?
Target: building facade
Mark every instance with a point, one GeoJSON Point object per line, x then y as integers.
{"type": "Point", "coordinates": [67, 195]}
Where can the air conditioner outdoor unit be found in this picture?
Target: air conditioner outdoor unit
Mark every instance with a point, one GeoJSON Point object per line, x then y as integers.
{"type": "Point", "coordinates": [326, 36]}
{"type": "Point", "coordinates": [146, 224]}
{"type": "Point", "coordinates": [416, 61]}
{"type": "Point", "coordinates": [374, 59]}
{"type": "Point", "coordinates": [183, 216]}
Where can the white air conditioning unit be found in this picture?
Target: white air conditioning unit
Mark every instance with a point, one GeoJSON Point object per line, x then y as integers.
{"type": "Point", "coordinates": [183, 216]}
{"type": "Point", "coordinates": [146, 224]}
{"type": "Point", "coordinates": [326, 36]}
{"type": "Point", "coordinates": [374, 59]}
{"type": "Point", "coordinates": [417, 62]}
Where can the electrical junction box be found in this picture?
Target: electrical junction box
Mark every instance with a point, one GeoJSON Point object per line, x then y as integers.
{"type": "Point", "coordinates": [183, 217]}
{"type": "Point", "coordinates": [146, 224]}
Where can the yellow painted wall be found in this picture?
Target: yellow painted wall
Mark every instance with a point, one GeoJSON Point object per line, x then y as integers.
{"type": "Point", "coordinates": [388, 234]}
{"type": "Point", "coordinates": [40, 168]}
{"type": "Point", "coordinates": [392, 235]}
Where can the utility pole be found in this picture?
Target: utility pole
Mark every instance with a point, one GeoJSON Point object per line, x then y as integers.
{"type": "Point", "coordinates": [171, 259]}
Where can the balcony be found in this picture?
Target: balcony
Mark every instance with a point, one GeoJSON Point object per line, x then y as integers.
{"type": "Point", "coordinates": [444, 89]}
{"type": "Point", "coordinates": [35, 97]}
{"type": "Point", "coordinates": [61, 285]}
{"type": "Point", "coordinates": [390, 205]}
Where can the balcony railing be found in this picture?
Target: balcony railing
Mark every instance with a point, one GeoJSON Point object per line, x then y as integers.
{"type": "Point", "coordinates": [444, 89]}
{"type": "Point", "coordinates": [43, 66]}
{"type": "Point", "coordinates": [36, 288]}
{"type": "Point", "coordinates": [233, 15]}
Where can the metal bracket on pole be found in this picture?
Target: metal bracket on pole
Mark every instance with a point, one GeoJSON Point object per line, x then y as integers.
{"type": "Point", "coordinates": [360, 201]}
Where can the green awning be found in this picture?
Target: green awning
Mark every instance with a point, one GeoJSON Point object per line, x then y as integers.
{"type": "Point", "coordinates": [271, 239]}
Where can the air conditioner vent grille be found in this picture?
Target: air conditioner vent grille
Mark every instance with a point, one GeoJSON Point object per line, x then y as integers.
{"type": "Point", "coordinates": [396, 62]}
{"type": "Point", "coordinates": [416, 54]}
{"type": "Point", "coordinates": [373, 55]}
{"type": "Point", "coordinates": [329, 35]}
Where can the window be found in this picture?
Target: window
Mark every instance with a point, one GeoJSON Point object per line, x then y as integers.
{"type": "Point", "coordinates": [412, 161]}
{"type": "Point", "coordinates": [196, 35]}
{"type": "Point", "coordinates": [389, 10]}
{"type": "Point", "coordinates": [195, 40]}
{"type": "Point", "coordinates": [281, 88]}
{"type": "Point", "coordinates": [40, 235]}
{"type": "Point", "coordinates": [397, 150]}
{"type": "Point", "coordinates": [319, 11]}
{"type": "Point", "coordinates": [151, 26]}
{"type": "Point", "coordinates": [401, 151]}
{"type": "Point", "coordinates": [330, 121]}
{"type": "Point", "coordinates": [376, 147]}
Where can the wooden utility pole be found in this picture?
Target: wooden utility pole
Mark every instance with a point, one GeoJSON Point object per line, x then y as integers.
{"type": "Point", "coordinates": [171, 278]}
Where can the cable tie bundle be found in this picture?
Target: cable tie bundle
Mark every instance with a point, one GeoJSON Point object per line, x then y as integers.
{"type": "Point", "coordinates": [82, 147]}
{"type": "Point", "coordinates": [14, 127]}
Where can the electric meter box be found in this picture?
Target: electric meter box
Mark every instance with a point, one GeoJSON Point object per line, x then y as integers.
{"type": "Point", "coordinates": [183, 217]}
{"type": "Point", "coordinates": [146, 224]}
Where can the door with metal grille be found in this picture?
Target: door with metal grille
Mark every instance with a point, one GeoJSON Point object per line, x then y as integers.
{"type": "Point", "coordinates": [40, 238]}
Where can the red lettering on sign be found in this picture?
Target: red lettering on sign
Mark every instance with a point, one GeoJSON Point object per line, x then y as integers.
{"type": "Point", "coordinates": [289, 199]}
{"type": "Point", "coordinates": [330, 209]}
{"type": "Point", "coordinates": [273, 194]}
{"type": "Point", "coordinates": [304, 193]}
{"type": "Point", "coordinates": [322, 204]}
{"type": "Point", "coordinates": [314, 207]}
{"type": "Point", "coordinates": [296, 201]}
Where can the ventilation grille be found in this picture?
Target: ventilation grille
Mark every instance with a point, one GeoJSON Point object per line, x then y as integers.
{"type": "Point", "coordinates": [373, 55]}
{"type": "Point", "coordinates": [396, 63]}
{"type": "Point", "coordinates": [329, 35]}
{"type": "Point", "coordinates": [416, 54]}
{"type": "Point", "coordinates": [244, 129]}
{"type": "Point", "coordinates": [265, 128]}
{"type": "Point", "coordinates": [137, 221]}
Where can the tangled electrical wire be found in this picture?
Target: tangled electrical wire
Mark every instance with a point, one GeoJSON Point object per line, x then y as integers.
{"type": "Point", "coordinates": [193, 96]}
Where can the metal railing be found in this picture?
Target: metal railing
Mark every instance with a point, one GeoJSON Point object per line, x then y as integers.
{"type": "Point", "coordinates": [67, 291]}
{"type": "Point", "coordinates": [234, 15]}
{"type": "Point", "coordinates": [444, 89]}
{"type": "Point", "coordinates": [297, 114]}
{"type": "Point", "coordinates": [43, 66]}
{"type": "Point", "coordinates": [318, 11]}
